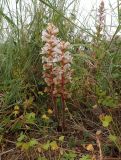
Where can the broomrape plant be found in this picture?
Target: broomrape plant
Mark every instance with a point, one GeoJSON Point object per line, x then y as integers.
{"type": "Point", "coordinates": [57, 70]}
{"type": "Point", "coordinates": [101, 15]}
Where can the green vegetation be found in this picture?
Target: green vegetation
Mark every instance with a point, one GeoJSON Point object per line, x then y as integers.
{"type": "Point", "coordinates": [29, 126]}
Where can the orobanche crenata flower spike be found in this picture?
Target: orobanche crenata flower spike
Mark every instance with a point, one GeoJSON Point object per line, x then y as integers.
{"type": "Point", "coordinates": [57, 61]}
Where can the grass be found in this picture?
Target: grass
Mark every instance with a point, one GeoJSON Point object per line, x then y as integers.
{"type": "Point", "coordinates": [96, 85]}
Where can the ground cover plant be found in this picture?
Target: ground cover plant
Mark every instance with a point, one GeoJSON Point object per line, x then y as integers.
{"type": "Point", "coordinates": [60, 82]}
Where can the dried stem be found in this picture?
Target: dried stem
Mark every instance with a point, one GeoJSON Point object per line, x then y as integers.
{"type": "Point", "coordinates": [99, 146]}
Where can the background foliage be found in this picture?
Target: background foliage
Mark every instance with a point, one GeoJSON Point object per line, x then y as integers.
{"type": "Point", "coordinates": [96, 84]}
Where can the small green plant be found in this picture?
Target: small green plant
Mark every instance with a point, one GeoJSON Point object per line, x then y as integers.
{"type": "Point", "coordinates": [69, 156]}
{"type": "Point", "coordinates": [86, 157]}
{"type": "Point", "coordinates": [113, 138]}
{"type": "Point", "coordinates": [50, 145]}
{"type": "Point", "coordinates": [61, 138]}
{"type": "Point", "coordinates": [106, 120]}
{"type": "Point", "coordinates": [24, 144]}
{"type": "Point", "coordinates": [106, 100]}
{"type": "Point", "coordinates": [30, 118]}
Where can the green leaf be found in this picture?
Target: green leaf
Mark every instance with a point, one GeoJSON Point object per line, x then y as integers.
{"type": "Point", "coordinates": [112, 138]}
{"type": "Point", "coordinates": [33, 142]}
{"type": "Point", "coordinates": [30, 117]}
{"type": "Point", "coordinates": [107, 120]}
{"type": "Point", "coordinates": [9, 20]}
{"type": "Point", "coordinates": [105, 124]}
{"type": "Point", "coordinates": [22, 137]}
{"type": "Point", "coordinates": [85, 157]}
{"type": "Point", "coordinates": [46, 146]}
{"type": "Point", "coordinates": [70, 156]}
{"type": "Point", "coordinates": [25, 146]}
{"type": "Point", "coordinates": [1, 138]}
{"type": "Point", "coordinates": [19, 144]}
{"type": "Point", "coordinates": [53, 145]}
{"type": "Point", "coordinates": [61, 138]}
{"type": "Point", "coordinates": [17, 126]}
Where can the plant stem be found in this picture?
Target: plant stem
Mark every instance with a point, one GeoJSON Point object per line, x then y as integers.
{"type": "Point", "coordinates": [63, 112]}
{"type": "Point", "coordinates": [53, 97]}
{"type": "Point", "coordinates": [56, 108]}
{"type": "Point", "coordinates": [62, 96]}
{"type": "Point", "coordinates": [100, 149]}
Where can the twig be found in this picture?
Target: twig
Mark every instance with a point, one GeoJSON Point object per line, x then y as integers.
{"type": "Point", "coordinates": [10, 141]}
{"type": "Point", "coordinates": [99, 145]}
{"type": "Point", "coordinates": [11, 150]}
